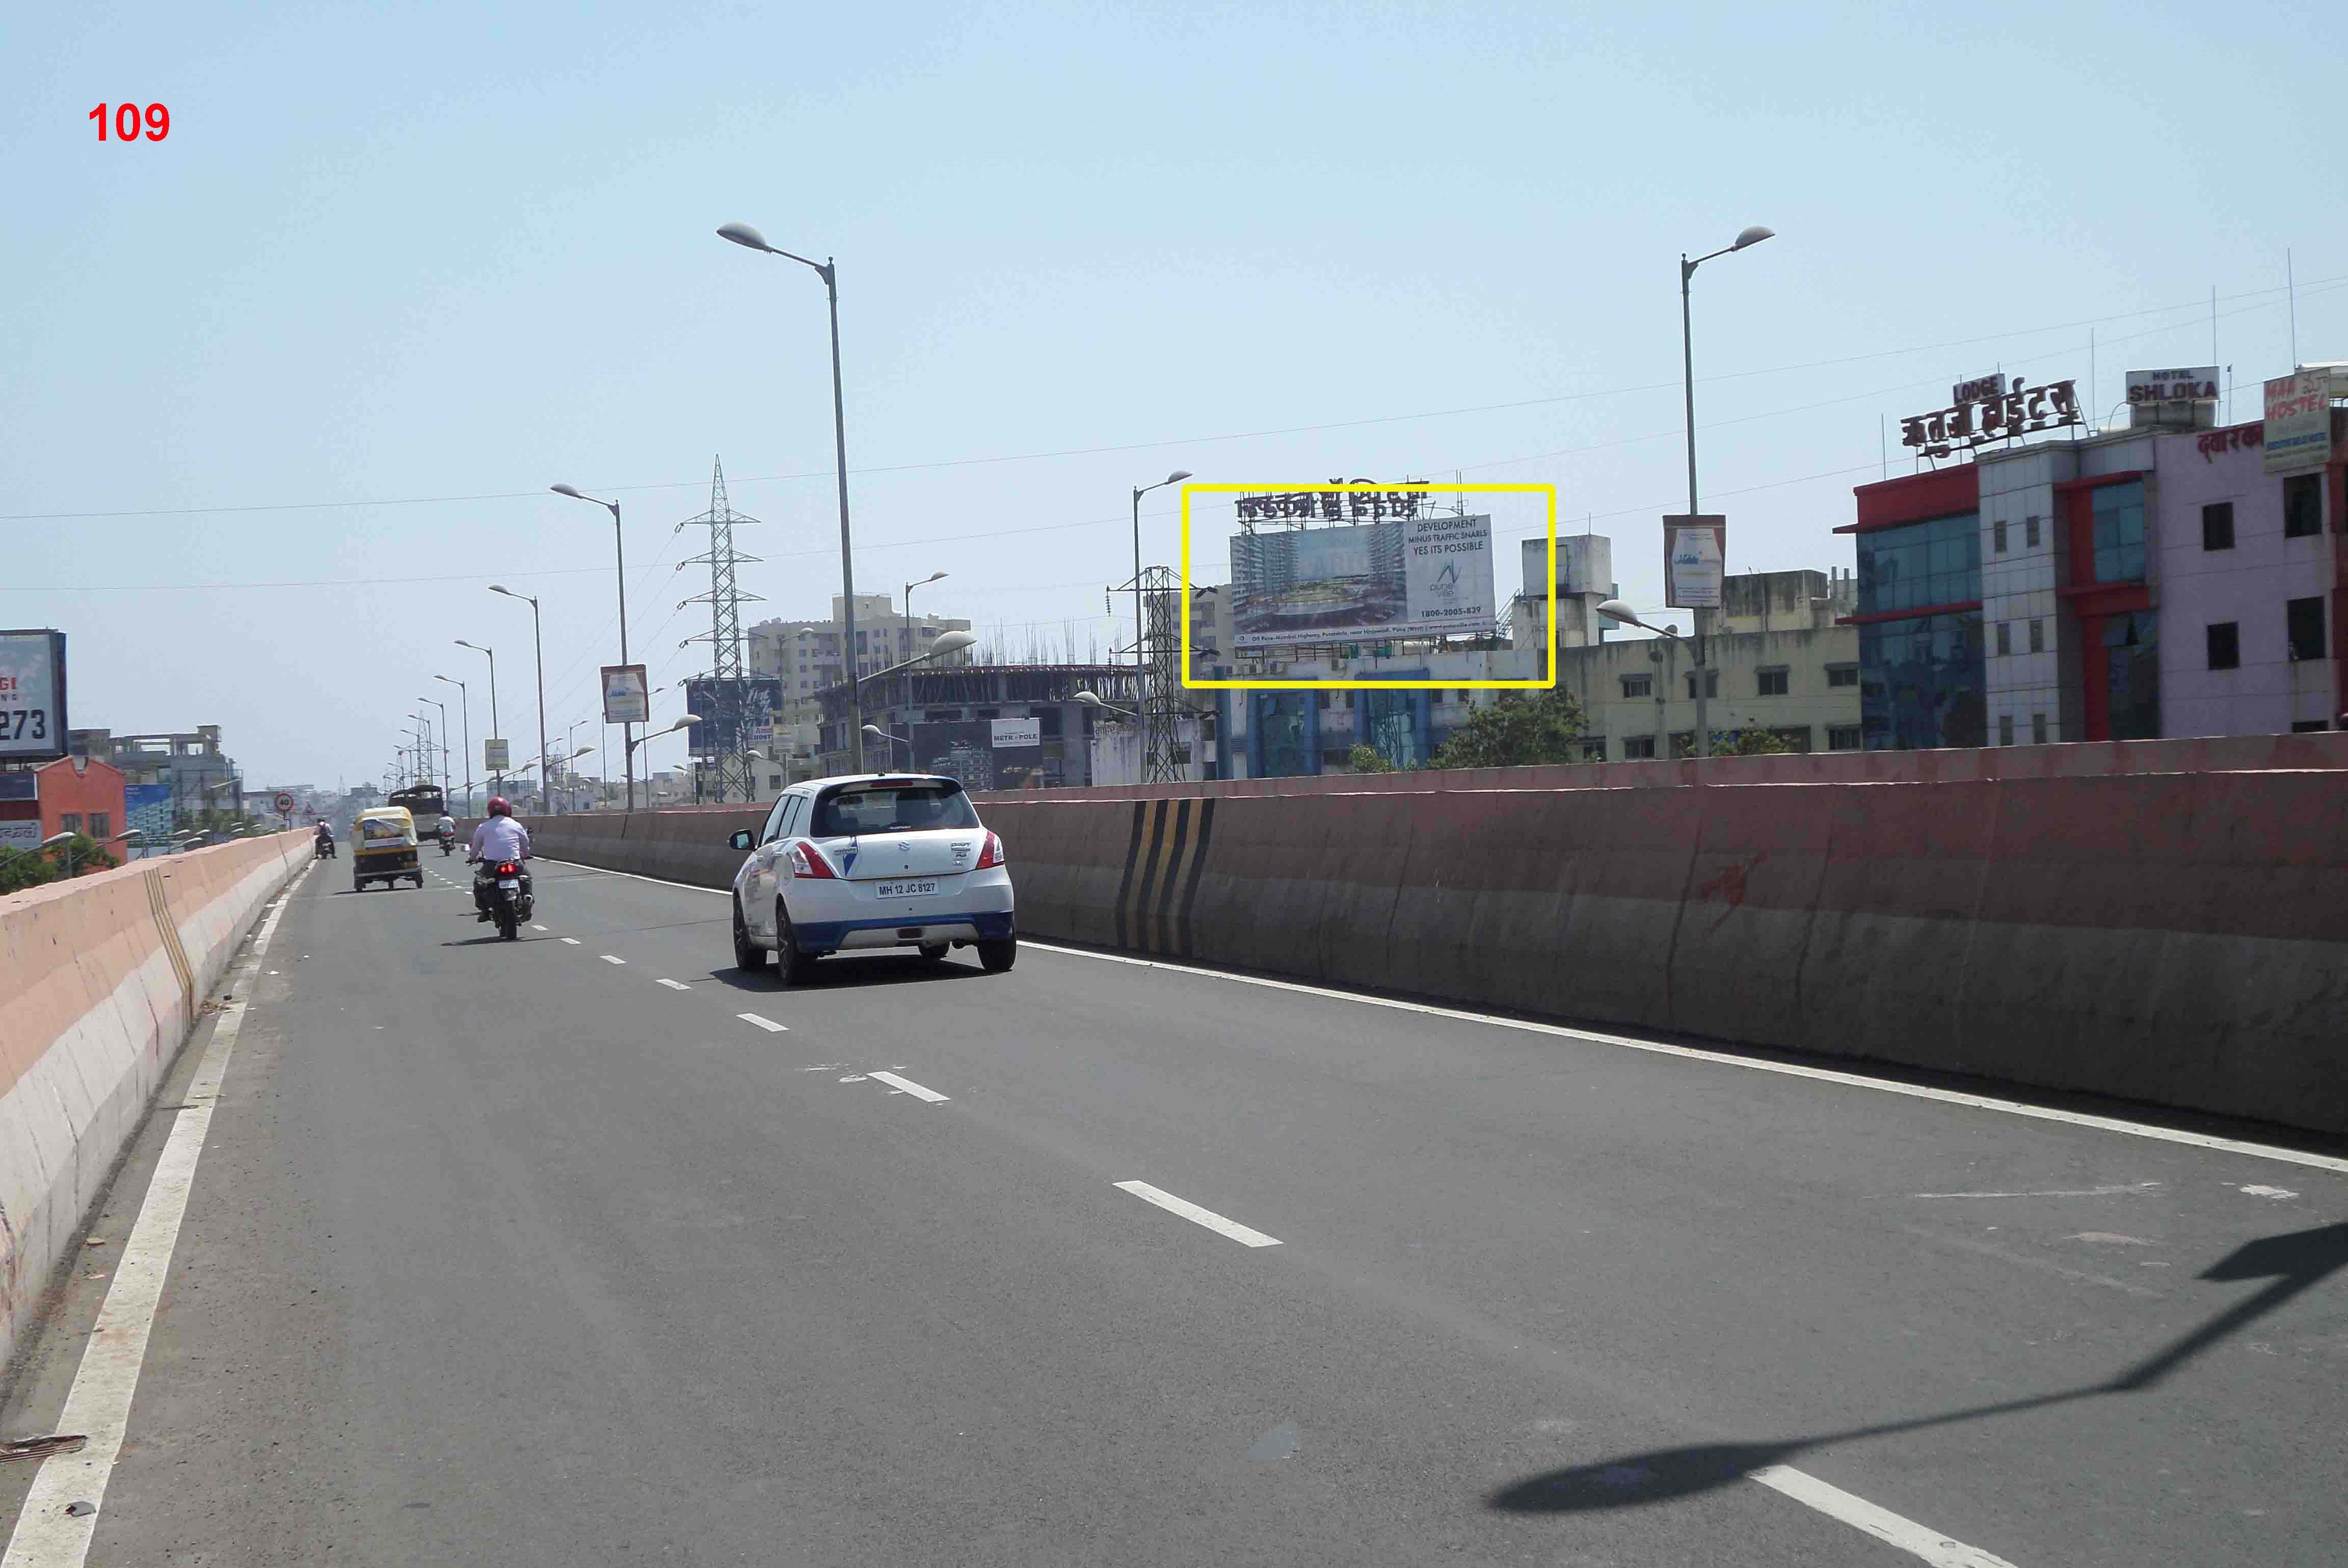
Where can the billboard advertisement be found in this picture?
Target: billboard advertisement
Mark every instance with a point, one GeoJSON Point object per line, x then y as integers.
{"type": "Point", "coordinates": [2299, 421]}
{"type": "Point", "coordinates": [1695, 554]}
{"type": "Point", "coordinates": [734, 713]}
{"type": "Point", "coordinates": [969, 750]}
{"type": "Point", "coordinates": [1417, 577]}
{"type": "Point", "coordinates": [32, 695]}
{"type": "Point", "coordinates": [494, 756]}
{"type": "Point", "coordinates": [624, 699]}
{"type": "Point", "coordinates": [148, 808]}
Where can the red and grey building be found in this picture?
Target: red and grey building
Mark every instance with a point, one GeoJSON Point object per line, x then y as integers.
{"type": "Point", "coordinates": [2129, 584]}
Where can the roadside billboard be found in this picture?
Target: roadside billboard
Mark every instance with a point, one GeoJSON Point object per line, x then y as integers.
{"type": "Point", "coordinates": [624, 699]}
{"type": "Point", "coordinates": [20, 810]}
{"type": "Point", "coordinates": [148, 808]}
{"type": "Point", "coordinates": [734, 712]}
{"type": "Point", "coordinates": [32, 695]}
{"type": "Point", "coordinates": [968, 750]}
{"type": "Point", "coordinates": [494, 758]}
{"type": "Point", "coordinates": [1696, 554]}
{"type": "Point", "coordinates": [2299, 420]}
{"type": "Point", "coordinates": [1418, 576]}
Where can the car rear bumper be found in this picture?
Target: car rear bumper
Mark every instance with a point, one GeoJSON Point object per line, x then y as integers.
{"type": "Point", "coordinates": [835, 935]}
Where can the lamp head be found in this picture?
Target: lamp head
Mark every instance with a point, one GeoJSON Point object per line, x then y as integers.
{"type": "Point", "coordinates": [1177, 476]}
{"type": "Point", "coordinates": [951, 642]}
{"type": "Point", "coordinates": [1616, 610]}
{"type": "Point", "coordinates": [743, 234]}
{"type": "Point", "coordinates": [1754, 236]}
{"type": "Point", "coordinates": [567, 489]}
{"type": "Point", "coordinates": [1089, 698]}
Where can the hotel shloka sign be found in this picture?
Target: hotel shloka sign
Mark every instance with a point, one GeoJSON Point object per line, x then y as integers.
{"type": "Point", "coordinates": [1989, 410]}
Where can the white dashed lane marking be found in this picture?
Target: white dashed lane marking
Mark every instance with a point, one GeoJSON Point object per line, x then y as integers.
{"type": "Point", "coordinates": [908, 1086]}
{"type": "Point", "coordinates": [676, 985]}
{"type": "Point", "coordinates": [571, 942]}
{"type": "Point", "coordinates": [1195, 1214]}
{"type": "Point", "coordinates": [608, 959]}
{"type": "Point", "coordinates": [769, 1025]}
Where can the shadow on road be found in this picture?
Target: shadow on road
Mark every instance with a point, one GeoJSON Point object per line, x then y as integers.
{"type": "Point", "coordinates": [893, 968]}
{"type": "Point", "coordinates": [492, 939]}
{"type": "Point", "coordinates": [2295, 1262]}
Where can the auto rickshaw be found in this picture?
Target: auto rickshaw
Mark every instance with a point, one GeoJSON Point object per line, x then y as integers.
{"type": "Point", "coordinates": [382, 847]}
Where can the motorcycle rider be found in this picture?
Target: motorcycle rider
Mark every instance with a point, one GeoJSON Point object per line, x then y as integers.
{"type": "Point", "coordinates": [447, 834]}
{"type": "Point", "coordinates": [500, 838]}
{"type": "Point", "coordinates": [324, 844]}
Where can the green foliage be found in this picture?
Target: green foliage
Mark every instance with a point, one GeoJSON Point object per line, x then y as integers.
{"type": "Point", "coordinates": [31, 867]}
{"type": "Point", "coordinates": [1515, 732]}
{"type": "Point", "coordinates": [1752, 743]}
{"type": "Point", "coordinates": [1368, 759]}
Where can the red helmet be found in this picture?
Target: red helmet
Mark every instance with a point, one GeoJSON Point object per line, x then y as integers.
{"type": "Point", "coordinates": [500, 807]}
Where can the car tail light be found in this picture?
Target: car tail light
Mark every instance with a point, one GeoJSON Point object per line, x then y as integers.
{"type": "Point", "coordinates": [806, 861]}
{"type": "Point", "coordinates": [508, 869]}
{"type": "Point", "coordinates": [992, 854]}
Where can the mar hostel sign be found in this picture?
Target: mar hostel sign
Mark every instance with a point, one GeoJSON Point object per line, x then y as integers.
{"type": "Point", "coordinates": [2299, 420]}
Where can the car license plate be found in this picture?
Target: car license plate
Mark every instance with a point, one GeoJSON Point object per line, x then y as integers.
{"type": "Point", "coordinates": [907, 889]}
{"type": "Point", "coordinates": [507, 883]}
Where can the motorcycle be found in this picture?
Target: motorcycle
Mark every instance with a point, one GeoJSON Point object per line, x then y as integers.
{"type": "Point", "coordinates": [324, 851]}
{"type": "Point", "coordinates": [503, 888]}
{"type": "Point", "coordinates": [448, 844]}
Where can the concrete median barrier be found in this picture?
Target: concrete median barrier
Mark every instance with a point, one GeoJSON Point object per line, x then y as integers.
{"type": "Point", "coordinates": [106, 976]}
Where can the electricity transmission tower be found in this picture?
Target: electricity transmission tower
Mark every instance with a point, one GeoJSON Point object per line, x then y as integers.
{"type": "Point", "coordinates": [1157, 698]}
{"type": "Point", "coordinates": [726, 733]}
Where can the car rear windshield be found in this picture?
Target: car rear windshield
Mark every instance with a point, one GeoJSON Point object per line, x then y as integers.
{"type": "Point", "coordinates": [892, 809]}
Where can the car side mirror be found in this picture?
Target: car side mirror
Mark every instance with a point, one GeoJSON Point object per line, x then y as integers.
{"type": "Point", "coordinates": [740, 840]}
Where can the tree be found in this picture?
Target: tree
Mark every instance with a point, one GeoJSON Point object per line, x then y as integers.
{"type": "Point", "coordinates": [1753, 742]}
{"type": "Point", "coordinates": [1365, 758]}
{"type": "Point", "coordinates": [31, 867]}
{"type": "Point", "coordinates": [1514, 732]}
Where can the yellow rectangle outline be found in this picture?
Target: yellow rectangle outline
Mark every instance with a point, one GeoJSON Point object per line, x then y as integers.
{"type": "Point", "coordinates": [1183, 579]}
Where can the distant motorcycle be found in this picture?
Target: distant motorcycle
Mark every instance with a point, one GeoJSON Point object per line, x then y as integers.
{"type": "Point", "coordinates": [503, 888]}
{"type": "Point", "coordinates": [447, 843]}
{"type": "Point", "coordinates": [325, 850]}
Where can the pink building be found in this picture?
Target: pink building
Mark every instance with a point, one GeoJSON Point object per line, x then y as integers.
{"type": "Point", "coordinates": [2253, 586]}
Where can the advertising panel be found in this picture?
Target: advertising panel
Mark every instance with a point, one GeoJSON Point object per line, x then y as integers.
{"type": "Point", "coordinates": [966, 749]}
{"type": "Point", "coordinates": [148, 808]}
{"type": "Point", "coordinates": [493, 756]}
{"type": "Point", "coordinates": [2192, 383]}
{"type": "Point", "coordinates": [32, 695]}
{"type": "Point", "coordinates": [2299, 420]}
{"type": "Point", "coordinates": [1422, 575]}
{"type": "Point", "coordinates": [734, 712]}
{"type": "Point", "coordinates": [624, 699]}
{"type": "Point", "coordinates": [1018, 734]}
{"type": "Point", "coordinates": [20, 833]}
{"type": "Point", "coordinates": [1695, 554]}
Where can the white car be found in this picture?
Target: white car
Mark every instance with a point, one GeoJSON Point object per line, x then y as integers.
{"type": "Point", "coordinates": [871, 859]}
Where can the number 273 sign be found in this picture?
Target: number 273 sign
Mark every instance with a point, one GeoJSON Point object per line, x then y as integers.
{"type": "Point", "coordinates": [32, 695]}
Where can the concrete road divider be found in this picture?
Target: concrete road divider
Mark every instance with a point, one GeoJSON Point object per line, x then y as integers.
{"type": "Point", "coordinates": [104, 977]}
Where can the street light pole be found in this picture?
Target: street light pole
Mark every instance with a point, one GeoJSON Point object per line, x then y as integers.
{"type": "Point", "coordinates": [465, 712]}
{"type": "Point", "coordinates": [497, 778]}
{"type": "Point", "coordinates": [446, 775]}
{"type": "Point", "coordinates": [1141, 680]}
{"type": "Point", "coordinates": [620, 558]}
{"type": "Point", "coordinates": [538, 644]}
{"type": "Point", "coordinates": [1751, 236]}
{"type": "Point", "coordinates": [743, 234]}
{"type": "Point", "coordinates": [908, 600]}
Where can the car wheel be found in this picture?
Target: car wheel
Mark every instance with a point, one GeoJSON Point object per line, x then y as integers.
{"type": "Point", "coordinates": [798, 968]}
{"type": "Point", "coordinates": [935, 952]}
{"type": "Point", "coordinates": [994, 958]}
{"type": "Point", "coordinates": [747, 953]}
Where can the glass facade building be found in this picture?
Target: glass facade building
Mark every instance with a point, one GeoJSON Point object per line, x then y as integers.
{"type": "Point", "coordinates": [1922, 682]}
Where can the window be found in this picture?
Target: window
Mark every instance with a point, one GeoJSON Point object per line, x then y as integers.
{"type": "Point", "coordinates": [2217, 525]}
{"type": "Point", "coordinates": [1842, 675]}
{"type": "Point", "coordinates": [1920, 564]}
{"type": "Point", "coordinates": [1321, 700]}
{"type": "Point", "coordinates": [2005, 729]}
{"type": "Point", "coordinates": [1593, 748]}
{"type": "Point", "coordinates": [2037, 729]}
{"type": "Point", "coordinates": [2303, 505]}
{"type": "Point", "coordinates": [1335, 756]}
{"type": "Point", "coordinates": [70, 822]}
{"type": "Point", "coordinates": [1846, 738]}
{"type": "Point", "coordinates": [1921, 683]}
{"type": "Point", "coordinates": [2117, 517]}
{"type": "Point", "coordinates": [2005, 636]}
{"type": "Point", "coordinates": [1711, 683]}
{"type": "Point", "coordinates": [2226, 646]}
{"type": "Point", "coordinates": [1997, 534]}
{"type": "Point", "coordinates": [101, 825]}
{"type": "Point", "coordinates": [1638, 745]}
{"type": "Point", "coordinates": [2037, 636]}
{"type": "Point", "coordinates": [2030, 532]}
{"type": "Point", "coordinates": [1774, 682]}
{"type": "Point", "coordinates": [2303, 628]}
{"type": "Point", "coordinates": [1638, 685]}
{"type": "Point", "coordinates": [848, 810]}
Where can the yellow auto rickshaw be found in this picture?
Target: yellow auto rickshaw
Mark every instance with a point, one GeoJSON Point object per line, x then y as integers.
{"type": "Point", "coordinates": [382, 847]}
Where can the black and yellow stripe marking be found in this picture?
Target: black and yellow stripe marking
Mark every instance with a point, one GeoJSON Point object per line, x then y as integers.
{"type": "Point", "coordinates": [172, 946]}
{"type": "Point", "coordinates": [1164, 857]}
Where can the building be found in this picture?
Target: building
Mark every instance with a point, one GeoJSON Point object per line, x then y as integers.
{"type": "Point", "coordinates": [805, 655]}
{"type": "Point", "coordinates": [189, 765]}
{"type": "Point", "coordinates": [2021, 597]}
{"type": "Point", "coordinates": [993, 726]}
{"type": "Point", "coordinates": [1585, 580]}
{"type": "Point", "coordinates": [1777, 659]}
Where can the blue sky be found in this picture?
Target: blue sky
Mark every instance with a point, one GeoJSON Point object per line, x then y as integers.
{"type": "Point", "coordinates": [389, 253]}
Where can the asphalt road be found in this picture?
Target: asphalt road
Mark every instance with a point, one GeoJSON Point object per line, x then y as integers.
{"type": "Point", "coordinates": [513, 1255]}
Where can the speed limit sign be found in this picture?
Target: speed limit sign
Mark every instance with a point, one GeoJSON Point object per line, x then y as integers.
{"type": "Point", "coordinates": [284, 804]}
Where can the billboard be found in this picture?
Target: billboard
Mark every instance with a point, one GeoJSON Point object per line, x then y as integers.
{"type": "Point", "coordinates": [624, 699]}
{"type": "Point", "coordinates": [494, 758]}
{"type": "Point", "coordinates": [969, 750]}
{"type": "Point", "coordinates": [2299, 420]}
{"type": "Point", "coordinates": [2185, 384]}
{"type": "Point", "coordinates": [32, 695]}
{"type": "Point", "coordinates": [1418, 576]}
{"type": "Point", "coordinates": [734, 713]}
{"type": "Point", "coordinates": [20, 810]}
{"type": "Point", "coordinates": [148, 808]}
{"type": "Point", "coordinates": [1695, 552]}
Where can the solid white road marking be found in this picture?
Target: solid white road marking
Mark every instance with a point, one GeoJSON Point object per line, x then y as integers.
{"type": "Point", "coordinates": [769, 1025]}
{"type": "Point", "coordinates": [2073, 1192]}
{"type": "Point", "coordinates": [1754, 1064]}
{"type": "Point", "coordinates": [608, 959]}
{"type": "Point", "coordinates": [571, 942]}
{"type": "Point", "coordinates": [676, 985]}
{"type": "Point", "coordinates": [1195, 1214]}
{"type": "Point", "coordinates": [1881, 1523]}
{"type": "Point", "coordinates": [910, 1086]}
{"type": "Point", "coordinates": [1692, 1053]}
{"type": "Point", "coordinates": [99, 1404]}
